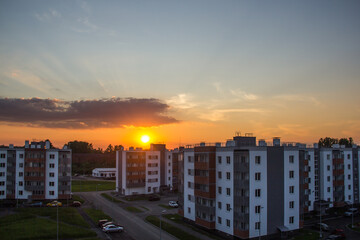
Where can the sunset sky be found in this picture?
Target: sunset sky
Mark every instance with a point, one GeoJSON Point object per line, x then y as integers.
{"type": "Point", "coordinates": [180, 71]}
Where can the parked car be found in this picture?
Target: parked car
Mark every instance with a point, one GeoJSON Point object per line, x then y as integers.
{"type": "Point", "coordinates": [324, 227]}
{"type": "Point", "coordinates": [113, 228]}
{"type": "Point", "coordinates": [54, 204]}
{"type": "Point", "coordinates": [154, 197]}
{"type": "Point", "coordinates": [35, 204]}
{"type": "Point", "coordinates": [107, 224]}
{"type": "Point", "coordinates": [350, 212]}
{"type": "Point", "coordinates": [338, 231]}
{"type": "Point", "coordinates": [75, 204]}
{"type": "Point", "coordinates": [102, 221]}
{"type": "Point", "coordinates": [173, 204]}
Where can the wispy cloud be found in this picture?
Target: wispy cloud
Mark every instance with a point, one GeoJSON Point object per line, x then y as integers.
{"type": "Point", "coordinates": [298, 98]}
{"type": "Point", "coordinates": [46, 16]}
{"type": "Point", "coordinates": [104, 113]}
{"type": "Point", "coordinates": [221, 114]}
{"type": "Point", "coordinates": [243, 95]}
{"type": "Point", "coordinates": [182, 101]}
{"type": "Point", "coordinates": [28, 79]}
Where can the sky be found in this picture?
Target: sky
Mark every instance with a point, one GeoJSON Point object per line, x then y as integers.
{"type": "Point", "coordinates": [108, 72]}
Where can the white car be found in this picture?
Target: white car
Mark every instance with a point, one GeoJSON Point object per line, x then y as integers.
{"type": "Point", "coordinates": [112, 228]}
{"type": "Point", "coordinates": [351, 211]}
{"type": "Point", "coordinates": [173, 204]}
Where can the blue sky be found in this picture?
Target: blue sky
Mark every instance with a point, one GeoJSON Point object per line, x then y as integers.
{"type": "Point", "coordinates": [210, 61]}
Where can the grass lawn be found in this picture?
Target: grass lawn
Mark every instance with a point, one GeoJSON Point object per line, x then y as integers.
{"type": "Point", "coordinates": [68, 215]}
{"type": "Point", "coordinates": [356, 227]}
{"type": "Point", "coordinates": [78, 198]}
{"type": "Point", "coordinates": [24, 225]}
{"type": "Point", "coordinates": [305, 234]}
{"type": "Point", "coordinates": [136, 198]}
{"type": "Point", "coordinates": [171, 229]}
{"type": "Point", "coordinates": [96, 214]}
{"type": "Point", "coordinates": [133, 209]}
{"type": "Point", "coordinates": [145, 208]}
{"type": "Point", "coordinates": [110, 198]}
{"type": "Point", "coordinates": [91, 186]}
{"type": "Point", "coordinates": [179, 219]}
{"type": "Point", "coordinates": [165, 206]}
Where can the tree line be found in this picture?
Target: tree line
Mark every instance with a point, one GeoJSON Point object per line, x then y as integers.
{"type": "Point", "coordinates": [328, 142]}
{"type": "Point", "coordinates": [85, 147]}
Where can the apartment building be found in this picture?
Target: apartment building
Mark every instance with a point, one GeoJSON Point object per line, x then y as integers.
{"type": "Point", "coordinates": [248, 190]}
{"type": "Point", "coordinates": [141, 171]}
{"type": "Point", "coordinates": [35, 172]}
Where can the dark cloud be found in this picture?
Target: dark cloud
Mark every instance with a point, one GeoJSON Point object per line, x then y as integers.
{"type": "Point", "coordinates": [114, 112]}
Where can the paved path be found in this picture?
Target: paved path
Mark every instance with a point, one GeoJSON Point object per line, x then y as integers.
{"type": "Point", "coordinates": [134, 225]}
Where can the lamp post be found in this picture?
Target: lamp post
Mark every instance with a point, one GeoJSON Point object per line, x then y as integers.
{"type": "Point", "coordinates": [162, 212]}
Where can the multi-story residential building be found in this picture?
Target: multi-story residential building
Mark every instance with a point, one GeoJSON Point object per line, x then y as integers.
{"type": "Point", "coordinates": [35, 172]}
{"type": "Point", "coordinates": [141, 171]}
{"type": "Point", "coordinates": [247, 190]}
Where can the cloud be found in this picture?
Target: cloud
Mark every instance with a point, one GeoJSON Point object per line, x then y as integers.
{"type": "Point", "coordinates": [220, 114]}
{"type": "Point", "coordinates": [181, 101]}
{"type": "Point", "coordinates": [51, 13]}
{"type": "Point", "coordinates": [298, 98]}
{"type": "Point", "coordinates": [243, 95]}
{"type": "Point", "coordinates": [104, 113]}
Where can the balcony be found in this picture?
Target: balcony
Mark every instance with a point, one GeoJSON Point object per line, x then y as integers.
{"type": "Point", "coordinates": [338, 172]}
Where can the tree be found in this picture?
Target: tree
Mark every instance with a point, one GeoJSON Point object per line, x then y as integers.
{"type": "Point", "coordinates": [328, 142]}
{"type": "Point", "coordinates": [347, 142]}
{"type": "Point", "coordinates": [109, 149]}
{"type": "Point", "coordinates": [80, 147]}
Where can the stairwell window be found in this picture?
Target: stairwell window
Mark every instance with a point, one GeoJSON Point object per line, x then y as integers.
{"type": "Point", "coordinates": [257, 192]}
{"type": "Point", "coordinates": [257, 160]}
{"type": "Point", "coordinates": [291, 220]}
{"type": "Point", "coordinates": [291, 174]}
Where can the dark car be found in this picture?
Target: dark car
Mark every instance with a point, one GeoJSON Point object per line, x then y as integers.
{"type": "Point", "coordinates": [154, 197]}
{"type": "Point", "coordinates": [75, 204]}
{"type": "Point", "coordinates": [102, 221]}
{"type": "Point", "coordinates": [339, 232]}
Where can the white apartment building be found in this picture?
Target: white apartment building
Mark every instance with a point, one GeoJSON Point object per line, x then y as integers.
{"type": "Point", "coordinates": [35, 172]}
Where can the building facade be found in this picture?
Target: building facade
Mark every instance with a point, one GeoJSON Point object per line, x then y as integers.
{"type": "Point", "coordinates": [248, 190]}
{"type": "Point", "coordinates": [35, 172]}
{"type": "Point", "coordinates": [141, 171]}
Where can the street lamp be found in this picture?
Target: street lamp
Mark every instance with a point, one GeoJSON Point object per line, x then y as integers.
{"type": "Point", "coordinates": [162, 212]}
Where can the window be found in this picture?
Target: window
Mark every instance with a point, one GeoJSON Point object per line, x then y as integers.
{"type": "Point", "coordinates": [349, 176]}
{"type": "Point", "coordinates": [190, 159]}
{"type": "Point", "coordinates": [2, 174]}
{"type": "Point", "coordinates": [219, 190]}
{"type": "Point", "coordinates": [291, 220]}
{"type": "Point", "coordinates": [257, 176]}
{"type": "Point", "coordinates": [291, 159]}
{"type": "Point", "coordinates": [189, 210]}
{"type": "Point", "coordinates": [349, 197]}
{"type": "Point", "coordinates": [348, 156]}
{"type": "Point", "coordinates": [52, 156]}
{"type": "Point", "coordinates": [257, 209]}
{"type": "Point", "coordinates": [51, 174]}
{"type": "Point", "coordinates": [21, 183]}
{"type": "Point", "coordinates": [227, 222]}
{"type": "Point", "coordinates": [219, 159]}
{"type": "Point", "coordinates": [51, 165]}
{"type": "Point", "coordinates": [21, 174]}
{"type": "Point", "coordinates": [328, 167]}
{"type": "Point", "coordinates": [21, 155]}
{"type": "Point", "coordinates": [20, 193]}
{"type": "Point", "coordinates": [328, 178]}
{"type": "Point", "coordinates": [349, 187]}
{"type": "Point", "coordinates": [291, 189]}
{"type": "Point", "coordinates": [2, 183]}
{"type": "Point", "coordinates": [228, 160]}
{"type": "Point", "coordinates": [349, 166]}
{"type": "Point", "coordinates": [228, 191]}
{"type": "Point", "coordinates": [219, 175]}
{"type": "Point", "coordinates": [328, 189]}
{"type": "Point", "coordinates": [149, 189]}
{"type": "Point", "coordinates": [328, 156]}
{"type": "Point", "coordinates": [2, 165]}
{"type": "Point", "coordinates": [219, 220]}
{"type": "Point", "coordinates": [291, 174]}
{"type": "Point", "coordinates": [169, 171]}
{"type": "Point", "coordinates": [21, 165]}
{"type": "Point", "coordinates": [2, 155]}
{"type": "Point", "coordinates": [51, 184]}
{"type": "Point", "coordinates": [257, 192]}
{"type": "Point", "coordinates": [257, 160]}
{"type": "Point", "coordinates": [257, 225]}
{"type": "Point", "coordinates": [191, 172]}
{"type": "Point", "coordinates": [219, 205]}
{"type": "Point", "coordinates": [169, 178]}
{"type": "Point", "coordinates": [2, 193]}
{"type": "Point", "coordinates": [169, 164]}
{"type": "Point", "coordinates": [51, 193]}
{"type": "Point", "coordinates": [291, 204]}
{"type": "Point", "coordinates": [228, 208]}
{"type": "Point", "coordinates": [228, 175]}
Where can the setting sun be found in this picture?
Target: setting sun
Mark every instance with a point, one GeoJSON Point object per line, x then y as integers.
{"type": "Point", "coordinates": [145, 138]}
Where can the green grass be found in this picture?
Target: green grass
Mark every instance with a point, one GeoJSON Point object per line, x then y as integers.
{"type": "Point", "coordinates": [91, 186]}
{"type": "Point", "coordinates": [136, 198]}
{"type": "Point", "coordinates": [165, 206]}
{"type": "Point", "coordinates": [305, 234]}
{"type": "Point", "coordinates": [356, 227]}
{"type": "Point", "coordinates": [78, 198]}
{"type": "Point", "coordinates": [28, 226]}
{"type": "Point", "coordinates": [68, 215]}
{"type": "Point", "coordinates": [179, 220]}
{"type": "Point", "coordinates": [134, 209]}
{"type": "Point", "coordinates": [96, 214]}
{"type": "Point", "coordinates": [171, 229]}
{"type": "Point", "coordinates": [110, 198]}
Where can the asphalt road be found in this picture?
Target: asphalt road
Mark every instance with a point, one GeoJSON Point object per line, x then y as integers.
{"type": "Point", "coordinates": [135, 227]}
